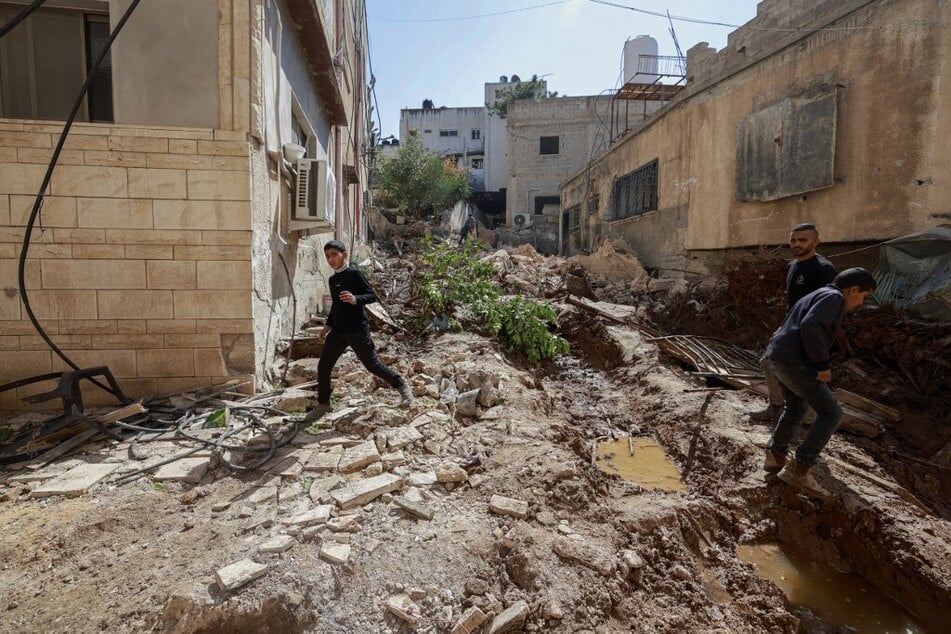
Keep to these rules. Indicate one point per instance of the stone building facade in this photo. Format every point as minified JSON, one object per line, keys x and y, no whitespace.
{"x":821,"y":120}
{"x":167,"y":246}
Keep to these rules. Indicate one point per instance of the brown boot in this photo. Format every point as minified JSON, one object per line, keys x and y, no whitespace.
{"x":774,"y":462}
{"x":798,"y":475}
{"x":768,"y":415}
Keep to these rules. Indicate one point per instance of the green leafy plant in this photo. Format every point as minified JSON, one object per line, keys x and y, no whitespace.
{"x":6,"y":433}
{"x":156,"y":486}
{"x":218,"y":418}
{"x":418,"y":182}
{"x":533,"y":89}
{"x":454,"y":279}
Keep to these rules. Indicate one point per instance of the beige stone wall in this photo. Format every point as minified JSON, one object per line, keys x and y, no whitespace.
{"x":142,"y":261}
{"x":889,"y":139}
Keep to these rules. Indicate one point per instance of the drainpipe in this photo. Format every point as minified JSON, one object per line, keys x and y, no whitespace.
{"x":338,"y":146}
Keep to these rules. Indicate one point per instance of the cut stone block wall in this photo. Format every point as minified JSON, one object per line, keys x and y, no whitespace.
{"x":141,"y":259}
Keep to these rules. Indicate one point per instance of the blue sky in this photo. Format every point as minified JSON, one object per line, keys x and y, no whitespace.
{"x":577,"y":44}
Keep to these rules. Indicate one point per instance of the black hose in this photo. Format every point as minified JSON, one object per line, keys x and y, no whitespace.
{"x":24,"y":14}
{"x":38,"y":204}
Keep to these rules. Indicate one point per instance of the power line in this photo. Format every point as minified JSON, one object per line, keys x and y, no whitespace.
{"x":473,"y":17}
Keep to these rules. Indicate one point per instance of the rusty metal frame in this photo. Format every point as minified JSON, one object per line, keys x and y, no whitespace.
{"x":712,"y":356}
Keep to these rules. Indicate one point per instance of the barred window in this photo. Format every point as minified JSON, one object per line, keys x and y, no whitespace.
{"x":635,"y":193}
{"x":594,"y":203}
{"x":574,"y":218}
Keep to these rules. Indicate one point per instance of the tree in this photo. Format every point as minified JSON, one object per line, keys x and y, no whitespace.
{"x":533,"y":89}
{"x":420,"y":183}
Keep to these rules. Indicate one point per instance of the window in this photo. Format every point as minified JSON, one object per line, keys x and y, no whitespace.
{"x":574,"y":218}
{"x":636,"y":193}
{"x":449,"y":133}
{"x":299,"y":133}
{"x":548,"y":145}
{"x":541,"y":201}
{"x":476,"y":134}
{"x":427,"y":131}
{"x":594,"y":203}
{"x":476,"y":164}
{"x":46,"y":59}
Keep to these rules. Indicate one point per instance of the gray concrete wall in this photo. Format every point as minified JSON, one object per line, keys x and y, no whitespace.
{"x":463,"y":120}
{"x":165,"y":63}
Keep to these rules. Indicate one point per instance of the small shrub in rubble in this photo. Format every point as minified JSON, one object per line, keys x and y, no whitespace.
{"x":453,"y":279}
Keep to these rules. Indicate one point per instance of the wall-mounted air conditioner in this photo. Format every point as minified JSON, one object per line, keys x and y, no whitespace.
{"x":522,"y":221}
{"x":313,"y":206}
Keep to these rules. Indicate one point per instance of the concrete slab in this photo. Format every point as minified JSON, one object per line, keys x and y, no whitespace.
{"x":75,"y":481}
{"x":239,"y":573}
{"x":360,"y":492}
{"x":190,"y":470}
{"x":335,"y":552}
{"x":357,"y":457}
{"x":399,"y":437}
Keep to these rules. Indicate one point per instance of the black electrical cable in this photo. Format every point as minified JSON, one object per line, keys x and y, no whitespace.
{"x":38,"y":204}
{"x":24,"y":14}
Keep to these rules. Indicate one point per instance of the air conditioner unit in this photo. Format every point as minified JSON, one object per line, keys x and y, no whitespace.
{"x":314,"y":195}
{"x":522,"y":221}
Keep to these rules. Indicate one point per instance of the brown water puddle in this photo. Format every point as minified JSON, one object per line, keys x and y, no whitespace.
{"x":838,"y":598}
{"x":647,"y":466}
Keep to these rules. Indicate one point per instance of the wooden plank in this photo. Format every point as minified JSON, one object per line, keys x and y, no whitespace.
{"x":874,"y":408}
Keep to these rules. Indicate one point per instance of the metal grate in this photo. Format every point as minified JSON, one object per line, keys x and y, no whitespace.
{"x":636,"y":193}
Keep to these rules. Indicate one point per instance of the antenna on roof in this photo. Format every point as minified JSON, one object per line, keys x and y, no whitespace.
{"x":680,"y":53}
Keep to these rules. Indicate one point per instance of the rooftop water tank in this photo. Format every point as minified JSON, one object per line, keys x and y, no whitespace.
{"x":634,"y":70}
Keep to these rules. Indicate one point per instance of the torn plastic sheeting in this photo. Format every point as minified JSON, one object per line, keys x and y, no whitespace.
{"x":915,"y":273}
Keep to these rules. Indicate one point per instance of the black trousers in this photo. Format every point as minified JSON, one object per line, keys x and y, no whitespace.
{"x":336,"y":344}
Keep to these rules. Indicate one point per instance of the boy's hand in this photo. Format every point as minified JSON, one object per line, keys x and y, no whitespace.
{"x":347,"y":297}
{"x":325,"y":332}
{"x":825,"y":376}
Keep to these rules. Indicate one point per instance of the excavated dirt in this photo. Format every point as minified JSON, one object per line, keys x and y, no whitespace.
{"x":594,"y":553}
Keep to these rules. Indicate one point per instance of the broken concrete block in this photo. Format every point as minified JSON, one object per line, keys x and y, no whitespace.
{"x":262,"y":494}
{"x":632,"y":560}
{"x":508,"y":506}
{"x":296,"y":401}
{"x":239,"y":573}
{"x":320,"y":488}
{"x":423,"y":479}
{"x":334,"y":552}
{"x":469,"y":622}
{"x":399,"y":437}
{"x":413,"y":507}
{"x":585,"y":554}
{"x":323,"y":460}
{"x":467,"y":403}
{"x":513,"y":618}
{"x":403,"y":607}
{"x":355,"y":458}
{"x":342,"y":416}
{"x":374,"y":469}
{"x":75,"y":481}
{"x":344,"y":524}
{"x":360,"y":492}
{"x":317,"y":515}
{"x":277,"y":544}
{"x":451,"y":473}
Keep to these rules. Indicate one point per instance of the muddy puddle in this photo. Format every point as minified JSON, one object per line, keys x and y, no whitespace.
{"x":639,"y":460}
{"x":840,"y":599}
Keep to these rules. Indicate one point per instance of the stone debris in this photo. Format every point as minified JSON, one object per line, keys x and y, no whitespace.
{"x":467,"y":403}
{"x":357,"y":457}
{"x":295,"y":400}
{"x":508,"y":506}
{"x":424,"y":479}
{"x":403,"y":607}
{"x":324,"y":460}
{"x":469,"y":622}
{"x":510,"y":620}
{"x":360,"y":492}
{"x":320,"y":488}
{"x":277,"y":544}
{"x":400,"y":437}
{"x":317,"y":515}
{"x":239,"y":573}
{"x":75,"y":481}
{"x":334,"y":552}
{"x":451,"y":473}
{"x":392,"y":459}
{"x":585,"y":554}
{"x":413,"y":507}
{"x":341,"y":416}
{"x":632,"y":560}
{"x":344,"y":524}
{"x":262,"y":494}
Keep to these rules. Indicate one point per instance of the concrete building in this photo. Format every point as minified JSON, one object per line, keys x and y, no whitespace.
{"x":822,"y":120}
{"x":170,"y":246}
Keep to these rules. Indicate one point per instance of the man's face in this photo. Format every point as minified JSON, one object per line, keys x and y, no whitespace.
{"x":335,"y":258}
{"x":803,"y":243}
{"x":854,"y":297}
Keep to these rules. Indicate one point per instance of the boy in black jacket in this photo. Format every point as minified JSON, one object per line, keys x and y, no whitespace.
{"x":799,"y":355}
{"x":347,"y":326}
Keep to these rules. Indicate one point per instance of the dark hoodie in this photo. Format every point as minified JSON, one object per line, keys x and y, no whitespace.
{"x":349,"y":317}
{"x":806,"y":337}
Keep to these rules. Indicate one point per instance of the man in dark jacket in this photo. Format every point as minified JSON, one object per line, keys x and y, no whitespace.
{"x":799,"y":355}
{"x":347,"y":326}
{"x":807,"y":272}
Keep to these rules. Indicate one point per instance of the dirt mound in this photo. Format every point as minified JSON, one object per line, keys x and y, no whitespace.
{"x":589,"y":340}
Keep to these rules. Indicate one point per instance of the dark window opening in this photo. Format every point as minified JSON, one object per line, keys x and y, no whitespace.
{"x":476,"y":134}
{"x":100,"y":88}
{"x":541,"y":201}
{"x":636,"y":193}
{"x":449,"y":133}
{"x":594,"y":203}
{"x":574,"y":218}
{"x":548,"y":145}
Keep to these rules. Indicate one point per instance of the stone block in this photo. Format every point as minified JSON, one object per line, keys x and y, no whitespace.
{"x":185,"y":161}
{"x":399,"y":437}
{"x":115,"y":159}
{"x":413,"y":507}
{"x":189,"y":470}
{"x":317,"y":515}
{"x":76,"y":141}
{"x":12,"y":138}
{"x":57,"y":211}
{"x":588,"y":555}
{"x":133,"y":327}
{"x":79,"y":236}
{"x":451,"y":473}
{"x":121,"y":363}
{"x":508,"y":506}
{"x":99,"y":182}
{"x":226,"y":238}
{"x":215,"y":185}
{"x":422,"y":479}
{"x":165,"y":363}
{"x":320,"y":488}
{"x":213,"y":252}
{"x":127,"y":339}
{"x":171,"y":274}
{"x":152,"y":236}
{"x":88,"y":327}
{"x":192,"y":340}
{"x":224,"y":275}
{"x":224,"y":326}
{"x":470,"y":621}
{"x":359,"y":492}
{"x":99,"y":251}
{"x":202,"y":214}
{"x":75,"y":481}
{"x":209,"y":362}
{"x":93,"y":274}
{"x":511,"y":619}
{"x":138,"y":144}
{"x":151,"y":252}
{"x":357,"y":457}
{"x":43,"y":156}
{"x":239,"y":573}
{"x":170,"y":326}
{"x":65,"y":304}
{"x":335,"y":553}
{"x":212,"y":304}
{"x":157,"y":183}
{"x":114,"y":213}
{"x":181,"y":146}
{"x":323,"y":459}
{"x":277,"y":544}
{"x":135,"y":304}
{"x":404,"y":608}
{"x":224,"y":148}
{"x":20,"y":178}
{"x":393,"y":459}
